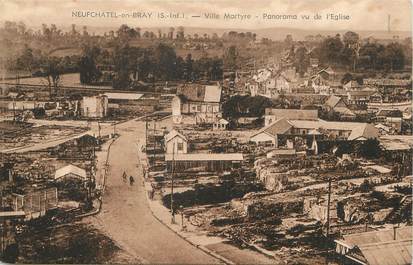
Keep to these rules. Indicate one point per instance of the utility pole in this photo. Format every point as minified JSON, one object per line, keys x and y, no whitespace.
{"x":154,"y":140}
{"x":172,"y":184}
{"x":98,"y":130}
{"x":328,"y":207}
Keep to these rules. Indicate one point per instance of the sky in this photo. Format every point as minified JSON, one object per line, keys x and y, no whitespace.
{"x":364,"y":14}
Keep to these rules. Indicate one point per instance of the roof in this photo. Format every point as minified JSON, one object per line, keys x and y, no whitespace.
{"x":397,"y":142}
{"x":223,"y":121}
{"x":361,"y":93}
{"x":296,"y":114}
{"x":389,"y":113}
{"x":327,"y":70}
{"x":344,"y":111}
{"x":359,"y":239}
{"x":387,"y":82}
{"x":357,"y":129}
{"x":332,"y":101}
{"x":388,"y":253}
{"x":204,"y":157}
{"x":380,"y":169}
{"x":172,"y":134}
{"x":124,"y":96}
{"x":283,"y":152}
{"x":364,"y":131}
{"x":352,"y":83}
{"x":279,"y":126}
{"x":197,"y":92}
{"x":380,"y":247}
{"x":212,"y":94}
{"x":12,"y":213}
{"x":70,"y":169}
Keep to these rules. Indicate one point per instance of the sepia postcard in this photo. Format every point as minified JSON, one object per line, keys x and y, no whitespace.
{"x":206,"y":132}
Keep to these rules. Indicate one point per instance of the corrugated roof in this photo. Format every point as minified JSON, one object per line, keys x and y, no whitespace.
{"x":388,"y":253}
{"x":70,"y":169}
{"x":205,"y":157}
{"x":360,"y":239}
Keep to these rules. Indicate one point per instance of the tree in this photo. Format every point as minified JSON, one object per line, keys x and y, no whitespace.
{"x":180,"y":34}
{"x":230,"y":58}
{"x":288,"y":40}
{"x":239,"y":106}
{"x":330,"y":50}
{"x":346,"y":78}
{"x":351,"y":38}
{"x":370,"y":53}
{"x":188,"y":73}
{"x":52,"y":71}
{"x":369,"y":149}
{"x":171,"y":33}
{"x":87,"y":65}
{"x":301,"y":60}
{"x":394,"y":56}
{"x":165,"y":58}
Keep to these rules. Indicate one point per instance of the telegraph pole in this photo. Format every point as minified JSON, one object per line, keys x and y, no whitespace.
{"x":328,"y":207}
{"x":172,"y":184}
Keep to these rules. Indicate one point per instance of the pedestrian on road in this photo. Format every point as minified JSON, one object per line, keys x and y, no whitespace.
{"x":124,"y":176}
{"x":131,"y":180}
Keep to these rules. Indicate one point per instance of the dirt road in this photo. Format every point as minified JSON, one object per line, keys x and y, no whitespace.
{"x":126,"y":217}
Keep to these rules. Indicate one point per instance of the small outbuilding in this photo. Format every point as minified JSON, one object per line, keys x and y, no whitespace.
{"x":70,"y":171}
{"x":176,"y":143}
{"x":221,"y":124}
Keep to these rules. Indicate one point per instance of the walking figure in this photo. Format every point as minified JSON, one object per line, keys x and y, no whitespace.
{"x":124,"y":176}
{"x":131,"y":180}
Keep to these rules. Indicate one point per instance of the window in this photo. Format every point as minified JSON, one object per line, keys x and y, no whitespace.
{"x":180,"y":146}
{"x":198,"y":107}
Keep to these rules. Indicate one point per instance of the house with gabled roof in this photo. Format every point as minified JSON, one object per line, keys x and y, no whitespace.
{"x":272,"y":114}
{"x":201,"y":104}
{"x":176,"y":143}
{"x":336,"y":104}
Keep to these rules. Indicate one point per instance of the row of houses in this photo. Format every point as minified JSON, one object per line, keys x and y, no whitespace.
{"x":350,"y":131}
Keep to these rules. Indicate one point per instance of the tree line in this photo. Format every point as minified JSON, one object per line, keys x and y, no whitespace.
{"x":131,"y":64}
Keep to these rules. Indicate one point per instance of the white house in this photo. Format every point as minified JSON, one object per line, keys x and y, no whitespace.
{"x":176,"y":143}
{"x":221,"y":124}
{"x":95,"y":106}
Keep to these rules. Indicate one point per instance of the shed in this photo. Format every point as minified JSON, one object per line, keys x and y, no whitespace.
{"x":221,"y":124}
{"x":176,"y":142}
{"x":70,"y":171}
